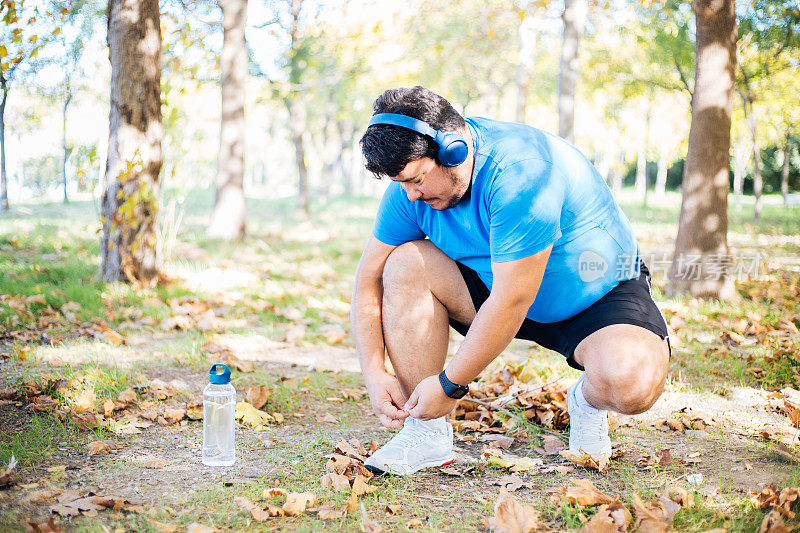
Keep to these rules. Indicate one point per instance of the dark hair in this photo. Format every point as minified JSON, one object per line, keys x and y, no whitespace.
{"x":387,"y":148}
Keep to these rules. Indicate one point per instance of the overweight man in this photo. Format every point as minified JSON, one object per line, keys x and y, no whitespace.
{"x":500,"y":231}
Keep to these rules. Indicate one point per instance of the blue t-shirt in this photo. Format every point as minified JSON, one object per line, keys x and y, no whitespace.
{"x":530,"y":189}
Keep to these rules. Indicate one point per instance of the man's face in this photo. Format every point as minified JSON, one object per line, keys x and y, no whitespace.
{"x":438,"y":186}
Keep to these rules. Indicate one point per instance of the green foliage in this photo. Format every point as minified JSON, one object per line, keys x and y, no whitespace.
{"x":42,"y":173}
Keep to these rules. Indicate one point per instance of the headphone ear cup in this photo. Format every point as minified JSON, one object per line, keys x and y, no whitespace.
{"x":452,"y":150}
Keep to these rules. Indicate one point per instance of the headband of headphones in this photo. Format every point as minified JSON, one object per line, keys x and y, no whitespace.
{"x":452,"y":146}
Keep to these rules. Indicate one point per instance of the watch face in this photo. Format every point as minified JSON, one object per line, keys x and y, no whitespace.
{"x":459,"y":393}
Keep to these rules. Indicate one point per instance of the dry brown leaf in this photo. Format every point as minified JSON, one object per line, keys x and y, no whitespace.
{"x":773,"y":523}
{"x":360,"y":486}
{"x":327,"y":513}
{"x":327,"y":417}
{"x":584,"y":493}
{"x":511,"y":516}
{"x":335,"y":482}
{"x":586,"y":460}
{"x":48,"y":527}
{"x":297,"y":502}
{"x":510,"y":483}
{"x":497,"y":441}
{"x":781,"y":502}
{"x":156,"y":462}
{"x":353,"y":394}
{"x":6,"y":477}
{"x":414,"y":522}
{"x":258,"y":514}
{"x":257,"y":395}
{"x":96,"y":447}
{"x":367,"y":524}
{"x":194,"y":410}
{"x":610,"y":518}
{"x":334,"y":333}
{"x":160,"y":389}
{"x":655,"y":516}
{"x":553,"y":445}
{"x":391,"y":509}
{"x":272,"y":492}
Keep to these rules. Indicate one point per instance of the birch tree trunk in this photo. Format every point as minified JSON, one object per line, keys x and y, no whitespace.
{"x":64,"y":146}
{"x":661,"y":176}
{"x":700,"y":265}
{"x":787,"y":153}
{"x":3,"y":175}
{"x":574,"y":17}
{"x":130,"y":189}
{"x":228,"y":218}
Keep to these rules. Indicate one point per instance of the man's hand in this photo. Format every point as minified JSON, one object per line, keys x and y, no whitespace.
{"x":429,"y":400}
{"x":387,"y":398}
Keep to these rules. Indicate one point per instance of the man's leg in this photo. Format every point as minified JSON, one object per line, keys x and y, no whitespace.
{"x":421,"y":288}
{"x":626,"y":366}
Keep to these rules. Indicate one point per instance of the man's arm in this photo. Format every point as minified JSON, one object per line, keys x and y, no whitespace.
{"x":365,"y":318}
{"x":514,"y":289}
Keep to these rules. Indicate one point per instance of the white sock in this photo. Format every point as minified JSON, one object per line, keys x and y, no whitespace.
{"x":580,"y":399}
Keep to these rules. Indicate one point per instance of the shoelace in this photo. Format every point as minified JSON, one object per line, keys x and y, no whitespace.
{"x":409,"y":437}
{"x":593,"y":425}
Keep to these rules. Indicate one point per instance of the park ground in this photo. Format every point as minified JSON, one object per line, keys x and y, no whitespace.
{"x":99,"y":384}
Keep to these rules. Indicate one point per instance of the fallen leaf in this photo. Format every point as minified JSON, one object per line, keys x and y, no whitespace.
{"x":553,"y":445}
{"x":297,"y":502}
{"x":327,"y":417}
{"x":510,"y":483}
{"x":391,"y":509}
{"x":258,"y":514}
{"x":327,"y":513}
{"x":609,"y":518}
{"x":6,"y":477}
{"x":773,"y":523}
{"x":156,"y":462}
{"x":194,"y":410}
{"x":171,"y":416}
{"x":655,"y":516}
{"x":295,"y":333}
{"x":360,"y":486}
{"x":96,"y":447}
{"x":353,"y":394}
{"x":272,"y":492}
{"x":584,"y":493}
{"x":335,"y":482}
{"x":252,"y":417}
{"x":367,"y":524}
{"x":414,"y":522}
{"x":510,"y":515}
{"x":257,"y":395}
{"x":48,"y":527}
{"x":497,"y":441}
{"x":586,"y":460}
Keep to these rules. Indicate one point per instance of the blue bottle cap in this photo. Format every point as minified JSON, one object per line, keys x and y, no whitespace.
{"x":219,"y":374}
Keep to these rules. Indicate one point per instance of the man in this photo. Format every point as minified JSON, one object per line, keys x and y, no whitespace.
{"x":499,"y":230}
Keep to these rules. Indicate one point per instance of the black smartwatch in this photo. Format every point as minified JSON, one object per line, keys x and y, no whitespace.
{"x":451,"y":389}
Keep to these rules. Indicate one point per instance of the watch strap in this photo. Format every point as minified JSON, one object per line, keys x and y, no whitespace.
{"x":452,"y":390}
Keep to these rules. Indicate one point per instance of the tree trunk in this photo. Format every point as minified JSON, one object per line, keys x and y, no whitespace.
{"x":64,"y":146}
{"x":130,"y":191}
{"x":297,"y":124}
{"x":3,"y":175}
{"x":228,"y":218}
{"x":661,"y":176}
{"x":641,"y":175}
{"x":758,"y":183}
{"x":740,"y":158}
{"x":574,"y":17}
{"x":787,"y":152}
{"x":700,"y":265}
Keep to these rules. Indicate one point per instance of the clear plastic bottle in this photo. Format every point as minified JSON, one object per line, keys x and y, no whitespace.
{"x":219,"y":405}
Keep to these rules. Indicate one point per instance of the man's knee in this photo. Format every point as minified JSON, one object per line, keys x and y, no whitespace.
{"x":404,"y":267}
{"x":637,"y":381}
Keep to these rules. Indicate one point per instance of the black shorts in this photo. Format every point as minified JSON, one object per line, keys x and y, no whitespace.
{"x":630,"y":302}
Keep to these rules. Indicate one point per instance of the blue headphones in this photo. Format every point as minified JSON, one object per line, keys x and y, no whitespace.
{"x":452,"y":146}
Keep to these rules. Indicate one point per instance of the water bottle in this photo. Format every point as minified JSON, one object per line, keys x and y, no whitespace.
{"x":219,"y":406}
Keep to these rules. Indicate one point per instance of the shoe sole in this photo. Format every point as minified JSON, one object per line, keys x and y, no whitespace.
{"x":377,"y":471}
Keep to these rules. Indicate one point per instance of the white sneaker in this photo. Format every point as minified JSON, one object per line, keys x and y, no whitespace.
{"x":588,"y":427}
{"x":420,"y":444}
